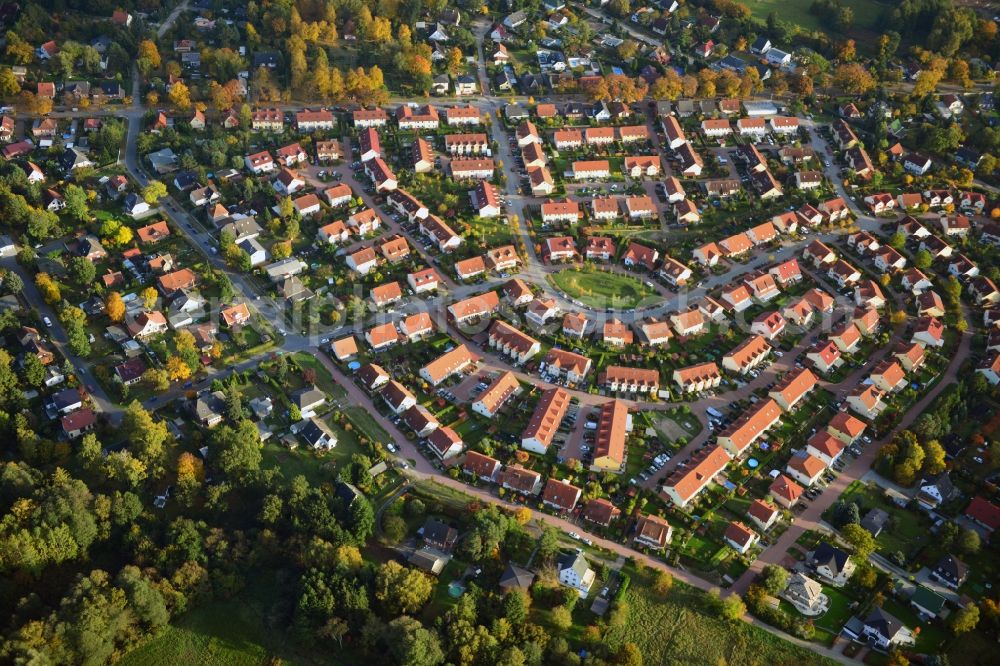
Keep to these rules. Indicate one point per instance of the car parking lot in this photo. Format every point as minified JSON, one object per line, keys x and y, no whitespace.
{"x":573,"y":433}
{"x":469,"y":388}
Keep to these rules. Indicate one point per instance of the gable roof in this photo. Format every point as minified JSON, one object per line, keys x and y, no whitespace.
{"x":830,"y":556}
{"x":561,"y":494}
{"x":785,"y":488}
{"x":548,"y":414}
{"x":601,"y":511}
{"x":984,"y":512}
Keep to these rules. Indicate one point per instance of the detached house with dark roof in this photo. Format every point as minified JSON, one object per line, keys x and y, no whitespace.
{"x":950,"y":571}
{"x":832,"y":564}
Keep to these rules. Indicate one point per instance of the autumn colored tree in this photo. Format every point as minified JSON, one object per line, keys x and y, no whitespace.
{"x":847,"y":51}
{"x":727,"y":84}
{"x":668,"y":87}
{"x":222,"y":97}
{"x":32,"y":103}
{"x":149,"y":57}
{"x":19,"y":50}
{"x":750,"y":82}
{"x":690,"y":85}
{"x":595,"y":89}
{"x":455,"y":59}
{"x":9,"y":86}
{"x":626,"y":89}
{"x":927,"y":81}
{"x":380,"y":31}
{"x":801,"y":84}
{"x":177,"y":369}
{"x":663,"y":583}
{"x":49,"y":288}
{"x":148,"y":296}
{"x":180,"y":96}
{"x":190,"y":468}
{"x":958,"y":71}
{"x":853,"y":79}
{"x":153,"y":192}
{"x":628,"y":50}
{"x":114,"y":306}
{"x":157,"y":378}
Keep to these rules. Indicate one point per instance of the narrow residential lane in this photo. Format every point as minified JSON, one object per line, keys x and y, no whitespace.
{"x":811,"y":517}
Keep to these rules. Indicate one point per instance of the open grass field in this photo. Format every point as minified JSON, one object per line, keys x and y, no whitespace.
{"x":367,"y":424}
{"x":681,"y":629}
{"x":598,"y":289}
{"x":324,"y":379}
{"x":235,"y":632}
{"x":797,"y":11}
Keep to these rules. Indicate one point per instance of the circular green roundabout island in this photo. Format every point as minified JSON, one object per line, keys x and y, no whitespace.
{"x":600,"y":290}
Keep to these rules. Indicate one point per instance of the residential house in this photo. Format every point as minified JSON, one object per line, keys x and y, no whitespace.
{"x":697,"y":378}
{"x":652,"y":532}
{"x":575,"y":572}
{"x":397,"y":397}
{"x":445,"y":443}
{"x":832,"y":564}
{"x":785,"y":491}
{"x":950,"y":571}
{"x":685,"y":483}
{"x":560,"y":495}
{"x":866,"y":401}
{"x":545,"y":420}
{"x":481,"y":467}
{"x":763,"y":514}
{"x":739,"y":537}
{"x":497,"y":395}
{"x":382,"y":336}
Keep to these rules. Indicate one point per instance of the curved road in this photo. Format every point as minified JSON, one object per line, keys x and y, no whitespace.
{"x":534,"y":272}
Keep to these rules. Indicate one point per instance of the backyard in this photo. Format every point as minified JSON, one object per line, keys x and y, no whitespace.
{"x":599,"y":289}
{"x":324,"y":380}
{"x":907,"y":530}
{"x":681,"y":628}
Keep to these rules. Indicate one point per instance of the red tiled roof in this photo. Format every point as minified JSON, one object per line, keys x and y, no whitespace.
{"x":984,"y":512}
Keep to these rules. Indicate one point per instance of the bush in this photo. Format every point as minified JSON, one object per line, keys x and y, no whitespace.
{"x":561,"y":617}
{"x":623,"y":587}
{"x":394,"y":529}
{"x":415,"y":508}
{"x":662,"y":583}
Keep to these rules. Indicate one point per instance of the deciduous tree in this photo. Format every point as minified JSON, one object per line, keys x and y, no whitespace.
{"x":149,"y":296}
{"x":153,"y":192}
{"x":853,"y":79}
{"x":860,"y":539}
{"x":401,"y":590}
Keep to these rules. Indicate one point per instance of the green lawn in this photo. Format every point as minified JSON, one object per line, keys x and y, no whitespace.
{"x":681,"y":629}
{"x":975,"y":649}
{"x":701,"y":548}
{"x":598,"y":289}
{"x":908,"y":528}
{"x":366,"y":423}
{"x":324,"y":379}
{"x":839,"y":612}
{"x":302,"y":461}
{"x":866,"y":14}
